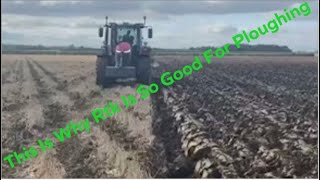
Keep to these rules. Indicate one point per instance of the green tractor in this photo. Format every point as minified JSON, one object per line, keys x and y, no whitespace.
{"x":123,"y":54}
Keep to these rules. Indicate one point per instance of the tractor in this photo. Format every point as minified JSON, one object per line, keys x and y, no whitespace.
{"x":123,"y":54}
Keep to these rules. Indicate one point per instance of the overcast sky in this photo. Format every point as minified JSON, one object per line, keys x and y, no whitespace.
{"x":176,"y":24}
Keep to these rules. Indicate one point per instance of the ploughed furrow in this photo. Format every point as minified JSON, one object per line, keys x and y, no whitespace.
{"x":64,"y":92}
{"x":53,"y":111}
{"x":14,"y":89}
{"x":238,"y":146}
{"x":110,"y":149}
{"x":68,"y":74}
{"x":52,"y":84}
{"x":60,"y":85}
{"x":264,"y":133}
{"x":211,"y":160}
{"x":276,"y":96}
{"x":6,"y":75}
{"x":48,"y":73}
{"x":128,"y":132}
{"x":78,"y":80}
{"x":191,"y":152}
{"x":15,"y":135}
{"x":272,"y":112}
{"x":277,"y":83}
{"x":288,"y":75}
{"x":118,"y":131}
{"x":10,"y":102}
{"x":168,"y":160}
{"x":277,"y":128}
{"x":57,"y":115}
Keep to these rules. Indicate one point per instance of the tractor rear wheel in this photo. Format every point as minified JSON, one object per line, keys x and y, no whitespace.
{"x":101,"y":80}
{"x":144,"y":74}
{"x":99,"y":70}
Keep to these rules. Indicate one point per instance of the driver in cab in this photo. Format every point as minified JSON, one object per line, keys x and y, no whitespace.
{"x":128,"y":38}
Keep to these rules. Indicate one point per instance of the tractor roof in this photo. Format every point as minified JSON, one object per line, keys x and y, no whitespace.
{"x":126,"y":24}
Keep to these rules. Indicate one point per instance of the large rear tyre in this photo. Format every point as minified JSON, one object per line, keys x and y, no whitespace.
{"x":100,"y":70}
{"x":144,"y":74}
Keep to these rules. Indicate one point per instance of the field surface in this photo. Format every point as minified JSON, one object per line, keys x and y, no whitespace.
{"x":237,"y":117}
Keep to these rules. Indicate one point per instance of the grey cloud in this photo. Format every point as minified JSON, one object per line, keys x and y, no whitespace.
{"x":160,"y":8}
{"x":12,"y":37}
{"x":226,"y":7}
{"x":22,"y":21}
{"x":226,"y":30}
{"x":97,"y":8}
{"x":55,"y":2}
{"x":64,"y":23}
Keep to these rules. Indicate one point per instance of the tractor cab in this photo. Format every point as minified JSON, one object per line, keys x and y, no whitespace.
{"x":127,"y":33}
{"x":116,"y":33}
{"x":123,"y":54}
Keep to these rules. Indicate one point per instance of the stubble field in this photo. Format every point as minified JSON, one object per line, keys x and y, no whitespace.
{"x":237,"y":117}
